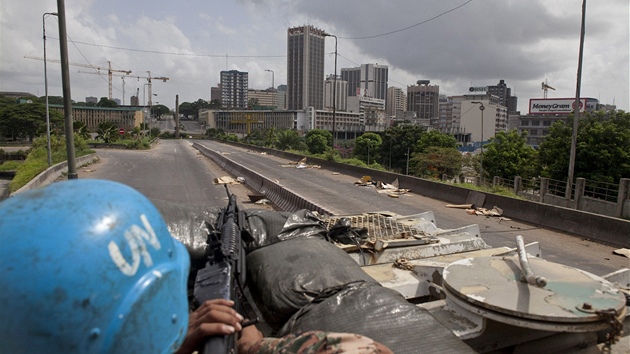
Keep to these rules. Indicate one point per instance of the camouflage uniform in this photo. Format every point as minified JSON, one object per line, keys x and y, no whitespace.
{"x":321,"y":343}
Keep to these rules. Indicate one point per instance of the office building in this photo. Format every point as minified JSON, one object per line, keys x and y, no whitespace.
{"x":504,"y":94}
{"x":305,"y":68}
{"x":423,"y":99}
{"x":368,"y":80}
{"x":340,"y":94}
{"x":215,"y":93}
{"x":396,"y":101}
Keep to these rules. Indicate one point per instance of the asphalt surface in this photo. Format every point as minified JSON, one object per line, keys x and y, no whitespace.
{"x":175,"y":174}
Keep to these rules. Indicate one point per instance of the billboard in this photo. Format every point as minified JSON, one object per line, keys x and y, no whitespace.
{"x":554,"y":105}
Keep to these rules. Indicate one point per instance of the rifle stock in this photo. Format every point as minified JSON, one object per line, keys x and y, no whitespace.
{"x":224,"y":273}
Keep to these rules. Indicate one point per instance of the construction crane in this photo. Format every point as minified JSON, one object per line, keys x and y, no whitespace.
{"x":97,"y":68}
{"x":545,"y":87}
{"x":149,"y":79}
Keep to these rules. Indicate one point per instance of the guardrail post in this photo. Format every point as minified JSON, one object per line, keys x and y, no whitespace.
{"x":478,"y":181}
{"x":579,"y":192}
{"x":544,"y":187}
{"x":517,"y":184}
{"x":496,"y":181}
{"x":622,"y":195}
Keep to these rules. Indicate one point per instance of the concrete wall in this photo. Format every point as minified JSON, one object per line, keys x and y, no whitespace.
{"x":53,"y":172}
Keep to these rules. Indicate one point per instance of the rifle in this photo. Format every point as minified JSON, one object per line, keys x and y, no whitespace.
{"x":224,"y":273}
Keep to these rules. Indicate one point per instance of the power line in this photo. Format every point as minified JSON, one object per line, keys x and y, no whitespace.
{"x":177,"y":53}
{"x":412,"y":26}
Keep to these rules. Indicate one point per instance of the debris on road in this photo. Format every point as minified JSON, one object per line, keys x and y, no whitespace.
{"x":226,"y":180}
{"x":622,"y":252}
{"x":460,"y":206}
{"x":301,"y":164}
{"x":470,"y":209}
{"x":392,"y":189}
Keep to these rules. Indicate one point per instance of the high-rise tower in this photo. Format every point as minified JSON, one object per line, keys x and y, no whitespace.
{"x":305,"y":68}
{"x":233,"y":89}
{"x":367,"y":80}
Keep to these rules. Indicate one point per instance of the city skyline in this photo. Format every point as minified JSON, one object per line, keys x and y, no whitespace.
{"x":455,"y":44}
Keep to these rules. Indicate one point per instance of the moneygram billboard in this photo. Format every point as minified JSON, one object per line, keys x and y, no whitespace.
{"x":554,"y":105}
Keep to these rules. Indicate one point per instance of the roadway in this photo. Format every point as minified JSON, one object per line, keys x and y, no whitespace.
{"x":175,"y":174}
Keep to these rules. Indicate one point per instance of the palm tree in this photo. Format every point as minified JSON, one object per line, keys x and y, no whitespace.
{"x":289,"y":139}
{"x":107,"y":132}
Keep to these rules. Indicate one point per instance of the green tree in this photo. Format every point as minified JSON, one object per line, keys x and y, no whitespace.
{"x":187,"y":109}
{"x":436,"y":161}
{"x":397,"y":142}
{"x":159,"y":110}
{"x":367,"y":147}
{"x":106,"y":102}
{"x":602,"y":149}
{"x":507,"y":155}
{"x":107,"y":131}
{"x":215,"y":104}
{"x":25,"y":120}
{"x":81,"y":129}
{"x":289,"y":139}
{"x":215,"y":133}
{"x":437,"y":139}
{"x":318,"y":140}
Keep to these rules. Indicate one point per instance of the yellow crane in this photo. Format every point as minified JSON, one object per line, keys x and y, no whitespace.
{"x":149,"y":79}
{"x":545,"y":87}
{"x":109,"y":69}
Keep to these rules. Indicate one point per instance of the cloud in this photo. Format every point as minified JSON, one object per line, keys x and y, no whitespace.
{"x":454,"y":43}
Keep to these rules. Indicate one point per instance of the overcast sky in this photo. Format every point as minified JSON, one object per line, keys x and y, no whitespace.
{"x":454,"y":43}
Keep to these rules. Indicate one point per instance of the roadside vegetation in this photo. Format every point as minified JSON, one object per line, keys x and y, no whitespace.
{"x":37,"y":160}
{"x":602,"y":152}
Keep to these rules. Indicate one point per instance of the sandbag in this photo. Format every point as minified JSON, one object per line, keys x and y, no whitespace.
{"x":269,"y":227}
{"x":379,"y":313}
{"x":286,"y":276}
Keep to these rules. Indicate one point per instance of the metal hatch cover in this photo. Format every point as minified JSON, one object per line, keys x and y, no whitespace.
{"x":571,"y":296}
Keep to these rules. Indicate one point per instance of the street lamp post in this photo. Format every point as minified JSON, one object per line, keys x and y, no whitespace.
{"x":481,"y":108}
{"x":368,"y":148}
{"x":273,"y":87}
{"x":46,"y":88}
{"x":334,"y":92}
{"x":407,"y":173}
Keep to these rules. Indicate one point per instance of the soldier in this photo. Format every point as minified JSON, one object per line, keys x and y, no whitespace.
{"x":89,"y":266}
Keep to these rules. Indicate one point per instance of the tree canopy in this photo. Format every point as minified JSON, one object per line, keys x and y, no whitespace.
{"x":397,"y":141}
{"x":106,"y":102}
{"x":25,"y":120}
{"x":318,"y":140}
{"x":602,"y":151}
{"x":435,"y":138}
{"x":507,"y":155}
{"x":367,"y":147}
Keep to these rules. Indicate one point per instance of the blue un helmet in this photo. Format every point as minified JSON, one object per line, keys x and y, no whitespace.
{"x":88,"y":266}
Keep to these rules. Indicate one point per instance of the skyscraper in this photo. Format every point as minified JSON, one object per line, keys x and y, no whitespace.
{"x":505,"y":96}
{"x":233,"y":89}
{"x":305,"y":68}
{"x":367,"y":80}
{"x":423,"y":99}
{"x":396,"y":101}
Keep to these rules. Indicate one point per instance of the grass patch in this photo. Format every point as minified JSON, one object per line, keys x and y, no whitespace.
{"x":10,"y":165}
{"x":37,"y":160}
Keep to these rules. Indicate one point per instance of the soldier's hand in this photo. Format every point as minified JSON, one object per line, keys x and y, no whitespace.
{"x":213,"y":317}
